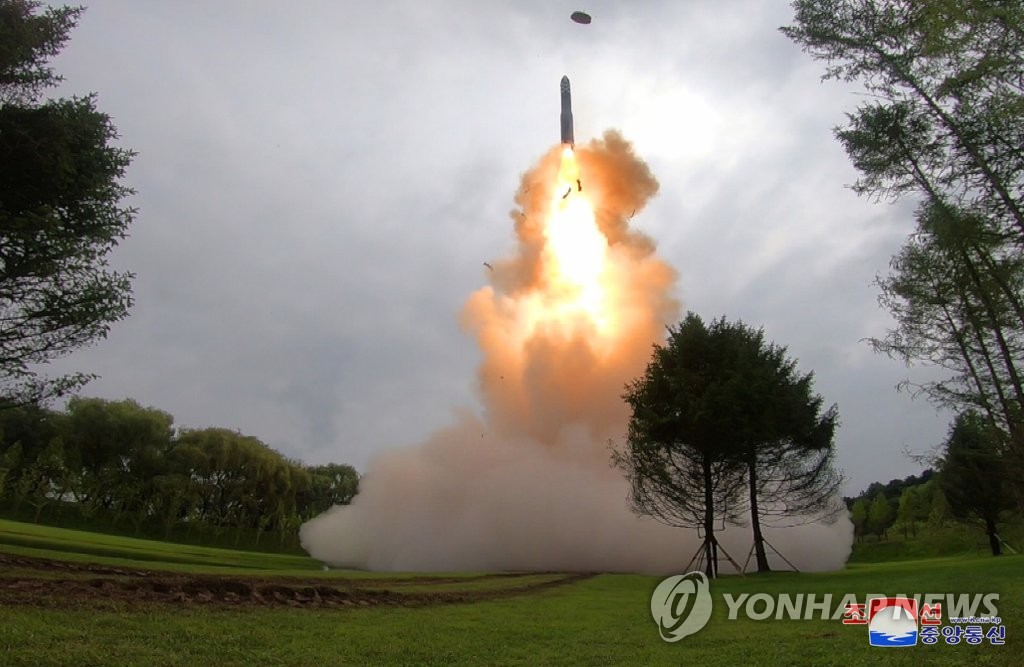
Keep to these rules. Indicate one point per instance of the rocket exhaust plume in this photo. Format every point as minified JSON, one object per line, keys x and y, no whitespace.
{"x":568,"y":319}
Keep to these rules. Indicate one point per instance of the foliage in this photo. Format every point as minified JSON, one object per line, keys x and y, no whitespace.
{"x":859,"y":517}
{"x":945,"y":125}
{"x":118,"y":463}
{"x":719,"y":409}
{"x":939,"y":512}
{"x":880,"y":515}
{"x":955,"y":292}
{"x":682,"y":451}
{"x":913,"y":509}
{"x":61,"y":210}
{"x":972,"y":477}
{"x":892,"y":489}
{"x":945,"y":119}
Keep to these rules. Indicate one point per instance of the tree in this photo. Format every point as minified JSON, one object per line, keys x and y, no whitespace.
{"x":719,"y":408}
{"x":944,"y":77}
{"x":944,"y":125}
{"x":61,"y":210}
{"x":237,"y":480}
{"x":10,"y":460}
{"x":29,"y":430}
{"x":117,"y":450}
{"x":956,"y":298}
{"x":681,"y":455}
{"x":859,"y":517}
{"x":910,"y":510}
{"x":972,"y":476}
{"x":787,"y":441}
{"x":939,"y":511}
{"x":880,"y":515}
{"x":46,"y":479}
{"x":331,"y":484}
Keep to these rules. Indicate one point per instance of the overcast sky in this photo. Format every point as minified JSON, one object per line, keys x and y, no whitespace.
{"x":319,"y":184}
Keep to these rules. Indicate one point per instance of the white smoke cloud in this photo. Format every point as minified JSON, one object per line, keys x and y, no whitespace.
{"x":527,"y":485}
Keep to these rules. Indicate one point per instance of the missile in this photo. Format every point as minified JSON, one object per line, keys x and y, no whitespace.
{"x":566,"y":116}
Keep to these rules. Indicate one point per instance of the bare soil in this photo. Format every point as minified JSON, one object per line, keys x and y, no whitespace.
{"x":104,"y":586}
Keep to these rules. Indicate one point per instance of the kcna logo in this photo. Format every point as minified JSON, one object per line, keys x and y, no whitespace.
{"x":892,"y":621}
{"x":681,"y":605}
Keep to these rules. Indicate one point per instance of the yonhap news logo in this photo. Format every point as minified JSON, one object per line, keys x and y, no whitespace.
{"x":681,"y":605}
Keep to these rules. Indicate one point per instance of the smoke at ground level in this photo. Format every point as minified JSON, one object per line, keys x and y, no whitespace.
{"x":566,"y":321}
{"x":463,"y":502}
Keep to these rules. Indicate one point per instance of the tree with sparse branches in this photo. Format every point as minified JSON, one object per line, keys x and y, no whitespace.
{"x":946,"y":92}
{"x":61,"y":210}
{"x":722,"y":425}
{"x":944,"y":124}
{"x":680,"y":456}
{"x":787,"y":439}
{"x":957,"y":300}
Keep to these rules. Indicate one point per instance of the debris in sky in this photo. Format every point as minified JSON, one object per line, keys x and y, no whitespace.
{"x":582,"y":300}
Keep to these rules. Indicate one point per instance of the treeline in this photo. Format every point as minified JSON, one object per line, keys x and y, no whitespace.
{"x":118,"y":464}
{"x":903,"y":505}
{"x":970,"y":484}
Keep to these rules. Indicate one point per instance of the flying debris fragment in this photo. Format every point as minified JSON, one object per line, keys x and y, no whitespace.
{"x":582,"y":18}
{"x":488,"y":266}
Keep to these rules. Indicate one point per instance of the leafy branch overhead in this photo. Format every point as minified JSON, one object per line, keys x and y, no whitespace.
{"x":945,"y":127}
{"x":62,"y":209}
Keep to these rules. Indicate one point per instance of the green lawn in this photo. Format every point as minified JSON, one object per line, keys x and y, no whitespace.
{"x":953,"y":539}
{"x":39,"y":541}
{"x":602,"y":620}
{"x":44,"y":541}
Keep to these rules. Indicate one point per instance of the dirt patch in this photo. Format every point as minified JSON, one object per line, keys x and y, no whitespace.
{"x":132,"y":587}
{"x":9,"y":561}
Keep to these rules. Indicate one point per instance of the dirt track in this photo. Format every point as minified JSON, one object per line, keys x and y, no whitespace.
{"x":97,"y":585}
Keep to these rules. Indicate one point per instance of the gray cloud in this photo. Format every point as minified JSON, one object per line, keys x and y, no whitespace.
{"x":319,"y":186}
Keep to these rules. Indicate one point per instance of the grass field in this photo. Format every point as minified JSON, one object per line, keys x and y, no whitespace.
{"x":492,"y":619}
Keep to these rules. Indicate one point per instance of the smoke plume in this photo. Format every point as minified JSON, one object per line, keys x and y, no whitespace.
{"x":566,"y":322}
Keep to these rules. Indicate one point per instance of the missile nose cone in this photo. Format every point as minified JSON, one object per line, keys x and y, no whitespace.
{"x":565,"y":84}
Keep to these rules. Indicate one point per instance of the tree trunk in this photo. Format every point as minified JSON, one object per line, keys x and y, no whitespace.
{"x":710,"y":552}
{"x":993,"y":537}
{"x":755,"y":518}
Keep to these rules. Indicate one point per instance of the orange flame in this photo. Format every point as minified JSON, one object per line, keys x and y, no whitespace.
{"x":574,"y":260}
{"x":570,"y":317}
